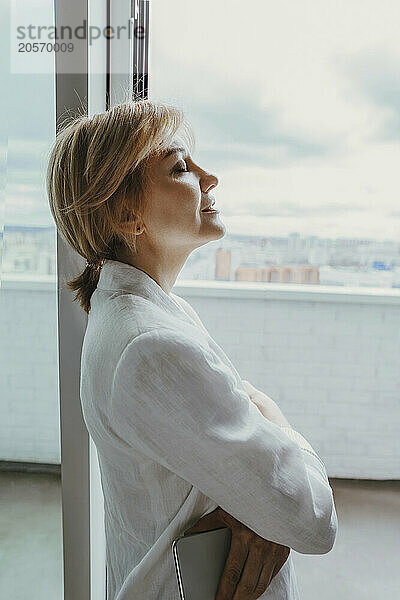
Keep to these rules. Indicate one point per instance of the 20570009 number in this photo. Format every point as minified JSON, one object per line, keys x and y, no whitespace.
{"x":45,"y":47}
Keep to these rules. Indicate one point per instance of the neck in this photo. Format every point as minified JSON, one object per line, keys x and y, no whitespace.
{"x":163,"y":268}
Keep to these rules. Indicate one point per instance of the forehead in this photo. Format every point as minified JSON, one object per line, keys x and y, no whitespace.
{"x":171,"y":150}
{"x":175,"y":146}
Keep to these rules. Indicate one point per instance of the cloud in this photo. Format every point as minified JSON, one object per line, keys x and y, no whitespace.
{"x":354,"y":194}
{"x":232,"y":128}
{"x":26,"y":205}
{"x":375,"y":74}
{"x":287,"y":112}
{"x":352,"y":227}
{"x":28,"y":107}
{"x":245,"y":132}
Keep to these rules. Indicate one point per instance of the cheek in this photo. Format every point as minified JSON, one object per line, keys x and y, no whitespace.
{"x":184,"y":200}
{"x":175,"y":202}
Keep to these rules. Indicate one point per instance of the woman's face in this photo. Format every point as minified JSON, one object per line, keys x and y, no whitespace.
{"x":178,"y":192}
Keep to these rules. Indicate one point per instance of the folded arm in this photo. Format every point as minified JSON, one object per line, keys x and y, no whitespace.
{"x":179,"y":404}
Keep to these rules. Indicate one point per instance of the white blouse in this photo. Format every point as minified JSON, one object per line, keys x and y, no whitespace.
{"x":177,"y":436}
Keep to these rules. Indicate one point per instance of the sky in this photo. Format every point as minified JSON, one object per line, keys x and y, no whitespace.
{"x":295,"y":107}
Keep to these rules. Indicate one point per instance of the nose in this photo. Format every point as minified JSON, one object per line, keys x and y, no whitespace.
{"x":208,"y":181}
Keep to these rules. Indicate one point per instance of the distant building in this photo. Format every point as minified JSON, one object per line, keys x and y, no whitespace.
{"x":278,"y":274}
{"x":223,"y":264}
{"x":248,"y":273}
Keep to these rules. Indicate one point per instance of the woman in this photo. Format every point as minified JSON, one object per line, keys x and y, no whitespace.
{"x":182,"y":441}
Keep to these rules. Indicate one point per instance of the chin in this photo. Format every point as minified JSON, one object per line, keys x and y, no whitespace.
{"x":216,"y":234}
{"x":220,"y":231}
{"x":212,"y":231}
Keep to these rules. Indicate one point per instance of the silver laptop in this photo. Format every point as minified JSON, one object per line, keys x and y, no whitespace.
{"x":199,"y":561}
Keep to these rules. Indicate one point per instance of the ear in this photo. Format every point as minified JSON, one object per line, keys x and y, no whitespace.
{"x":131,"y":223}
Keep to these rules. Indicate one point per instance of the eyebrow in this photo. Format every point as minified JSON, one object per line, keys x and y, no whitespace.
{"x":173,"y":151}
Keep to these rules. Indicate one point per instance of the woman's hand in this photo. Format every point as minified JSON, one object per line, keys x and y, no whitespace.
{"x":252,"y":562}
{"x":267,"y":407}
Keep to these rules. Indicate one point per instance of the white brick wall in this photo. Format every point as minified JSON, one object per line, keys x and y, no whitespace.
{"x":29,"y":407}
{"x":329,"y":358}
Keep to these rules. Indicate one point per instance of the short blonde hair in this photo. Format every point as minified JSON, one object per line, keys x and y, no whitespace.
{"x":97,"y":175}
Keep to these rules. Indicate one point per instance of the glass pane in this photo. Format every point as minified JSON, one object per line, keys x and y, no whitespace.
{"x":295,"y":109}
{"x":30,"y":514}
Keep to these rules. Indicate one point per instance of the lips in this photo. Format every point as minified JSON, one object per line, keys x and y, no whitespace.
{"x":208,"y":207}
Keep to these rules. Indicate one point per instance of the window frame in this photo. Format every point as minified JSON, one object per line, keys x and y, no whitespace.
{"x":107,"y":70}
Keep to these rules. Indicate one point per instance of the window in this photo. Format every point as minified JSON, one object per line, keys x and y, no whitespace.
{"x":29,"y":403}
{"x":295,"y":109}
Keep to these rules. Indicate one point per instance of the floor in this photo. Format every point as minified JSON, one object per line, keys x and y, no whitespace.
{"x":363,"y":564}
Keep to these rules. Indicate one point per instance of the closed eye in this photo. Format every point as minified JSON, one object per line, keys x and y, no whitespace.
{"x":176,"y":168}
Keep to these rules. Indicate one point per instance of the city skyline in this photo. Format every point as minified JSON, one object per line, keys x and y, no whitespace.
{"x":51,"y":226}
{"x":31,"y":252}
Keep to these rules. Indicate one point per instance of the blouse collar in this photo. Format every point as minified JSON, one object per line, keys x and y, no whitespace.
{"x":119,"y":276}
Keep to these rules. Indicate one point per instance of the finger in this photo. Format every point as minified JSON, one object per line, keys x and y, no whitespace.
{"x":264,"y":580}
{"x":232,"y":569}
{"x":281,"y":561}
{"x":266,"y":576}
{"x":249,"y":578}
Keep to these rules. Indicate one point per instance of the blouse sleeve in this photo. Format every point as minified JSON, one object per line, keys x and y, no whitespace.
{"x":180,"y":405}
